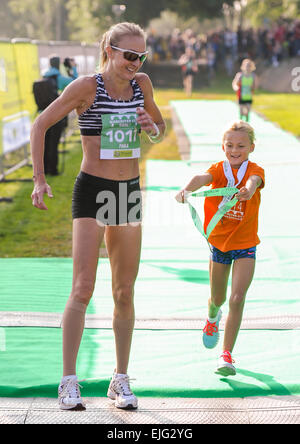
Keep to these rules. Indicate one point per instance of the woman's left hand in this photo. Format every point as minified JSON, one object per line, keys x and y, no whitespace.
{"x":146,"y":121}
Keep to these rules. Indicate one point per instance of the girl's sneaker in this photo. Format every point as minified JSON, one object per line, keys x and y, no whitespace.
{"x":211,"y":332}
{"x":69,"y":394}
{"x":225,"y":365}
{"x":120,"y":392}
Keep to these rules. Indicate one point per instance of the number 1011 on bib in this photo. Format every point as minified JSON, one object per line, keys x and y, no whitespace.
{"x":120,"y":137}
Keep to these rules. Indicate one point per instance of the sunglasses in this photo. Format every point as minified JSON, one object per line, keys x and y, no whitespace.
{"x":131,"y":56}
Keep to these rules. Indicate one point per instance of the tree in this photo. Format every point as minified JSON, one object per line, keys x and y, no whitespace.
{"x":7,"y":21}
{"x":88,"y":19}
{"x":190,"y":8}
{"x":37,"y":19}
{"x":139,"y":11}
{"x":259,"y":12}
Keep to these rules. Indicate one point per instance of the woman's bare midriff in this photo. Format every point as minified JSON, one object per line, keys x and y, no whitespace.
{"x":114,"y":169}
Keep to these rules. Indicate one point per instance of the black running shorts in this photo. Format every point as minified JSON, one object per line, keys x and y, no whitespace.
{"x":110,"y":202}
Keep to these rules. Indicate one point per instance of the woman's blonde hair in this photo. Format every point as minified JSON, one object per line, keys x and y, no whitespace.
{"x":245,"y":62}
{"x":240,"y":125}
{"x":114,"y":35}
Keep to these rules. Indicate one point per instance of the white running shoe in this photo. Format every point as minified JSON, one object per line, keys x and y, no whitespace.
{"x":120,"y":392}
{"x":69,"y":394}
{"x":225,"y":365}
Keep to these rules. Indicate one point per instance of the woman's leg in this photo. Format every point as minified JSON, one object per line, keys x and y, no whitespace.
{"x":87,"y":237}
{"x":242,"y":275}
{"x":219,"y":274}
{"x":124,"y":247}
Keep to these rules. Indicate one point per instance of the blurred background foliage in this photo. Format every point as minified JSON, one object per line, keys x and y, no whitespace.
{"x":86,"y":20}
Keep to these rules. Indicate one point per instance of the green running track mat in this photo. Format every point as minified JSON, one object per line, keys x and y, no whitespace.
{"x":165,"y":364}
{"x":172,"y":283}
{"x":204,"y":123}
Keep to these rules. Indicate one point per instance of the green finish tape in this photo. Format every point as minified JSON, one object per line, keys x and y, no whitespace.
{"x":229,"y":191}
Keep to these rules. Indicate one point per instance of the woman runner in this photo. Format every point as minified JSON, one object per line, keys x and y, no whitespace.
{"x":113,"y":107}
{"x":189,"y":68}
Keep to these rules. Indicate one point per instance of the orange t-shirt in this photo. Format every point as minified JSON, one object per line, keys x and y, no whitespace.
{"x":237,"y":229}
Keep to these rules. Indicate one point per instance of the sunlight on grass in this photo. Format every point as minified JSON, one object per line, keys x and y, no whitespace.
{"x":27,"y":232}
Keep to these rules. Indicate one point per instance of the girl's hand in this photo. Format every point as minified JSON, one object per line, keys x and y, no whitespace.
{"x":244,"y":194}
{"x":182,"y":196}
{"x":146,"y":122}
{"x":37,"y":195}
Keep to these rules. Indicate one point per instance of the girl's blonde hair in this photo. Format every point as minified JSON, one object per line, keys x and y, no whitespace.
{"x":240,"y":125}
{"x":114,"y":35}
{"x":245,"y":62}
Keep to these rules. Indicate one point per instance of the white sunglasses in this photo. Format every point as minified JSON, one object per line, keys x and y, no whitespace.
{"x":130,"y":55}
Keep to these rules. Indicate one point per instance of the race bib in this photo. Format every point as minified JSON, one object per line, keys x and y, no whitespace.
{"x":120,"y":137}
{"x":246,"y":92}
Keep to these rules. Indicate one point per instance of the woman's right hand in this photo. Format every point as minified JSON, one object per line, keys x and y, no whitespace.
{"x":37,"y":195}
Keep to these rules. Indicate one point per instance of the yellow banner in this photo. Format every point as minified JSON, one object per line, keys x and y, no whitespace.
{"x":18,"y":71}
{"x":27,"y":65}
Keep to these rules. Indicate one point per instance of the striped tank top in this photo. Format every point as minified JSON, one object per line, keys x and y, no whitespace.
{"x":114,"y":121}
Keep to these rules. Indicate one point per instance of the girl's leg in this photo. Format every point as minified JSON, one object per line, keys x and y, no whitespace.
{"x":245,"y":111}
{"x":189,"y":82}
{"x":241,"y":112}
{"x":87,"y":237}
{"x":248,"y":113}
{"x":124,"y":247}
{"x":242,"y":275}
{"x":219,"y":274}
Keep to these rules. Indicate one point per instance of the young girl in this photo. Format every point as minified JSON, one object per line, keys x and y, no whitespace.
{"x":233,"y":239}
{"x":245,"y":84}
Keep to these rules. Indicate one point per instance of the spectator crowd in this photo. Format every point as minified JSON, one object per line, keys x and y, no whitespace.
{"x":225,"y":48}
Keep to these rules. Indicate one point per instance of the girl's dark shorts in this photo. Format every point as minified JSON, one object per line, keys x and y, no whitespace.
{"x":245,"y":102}
{"x":232,"y":255}
{"x":110,"y":202}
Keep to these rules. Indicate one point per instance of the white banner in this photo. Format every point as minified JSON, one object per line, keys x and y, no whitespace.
{"x":15,"y":131}
{"x":3,"y":80}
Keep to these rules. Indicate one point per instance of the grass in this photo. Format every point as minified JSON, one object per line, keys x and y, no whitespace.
{"x":27,"y":232}
{"x":284,"y":109}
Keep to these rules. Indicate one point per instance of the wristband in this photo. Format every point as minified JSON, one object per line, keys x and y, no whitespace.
{"x":184,"y":196}
{"x":156,"y":135}
{"x":37,"y":175}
